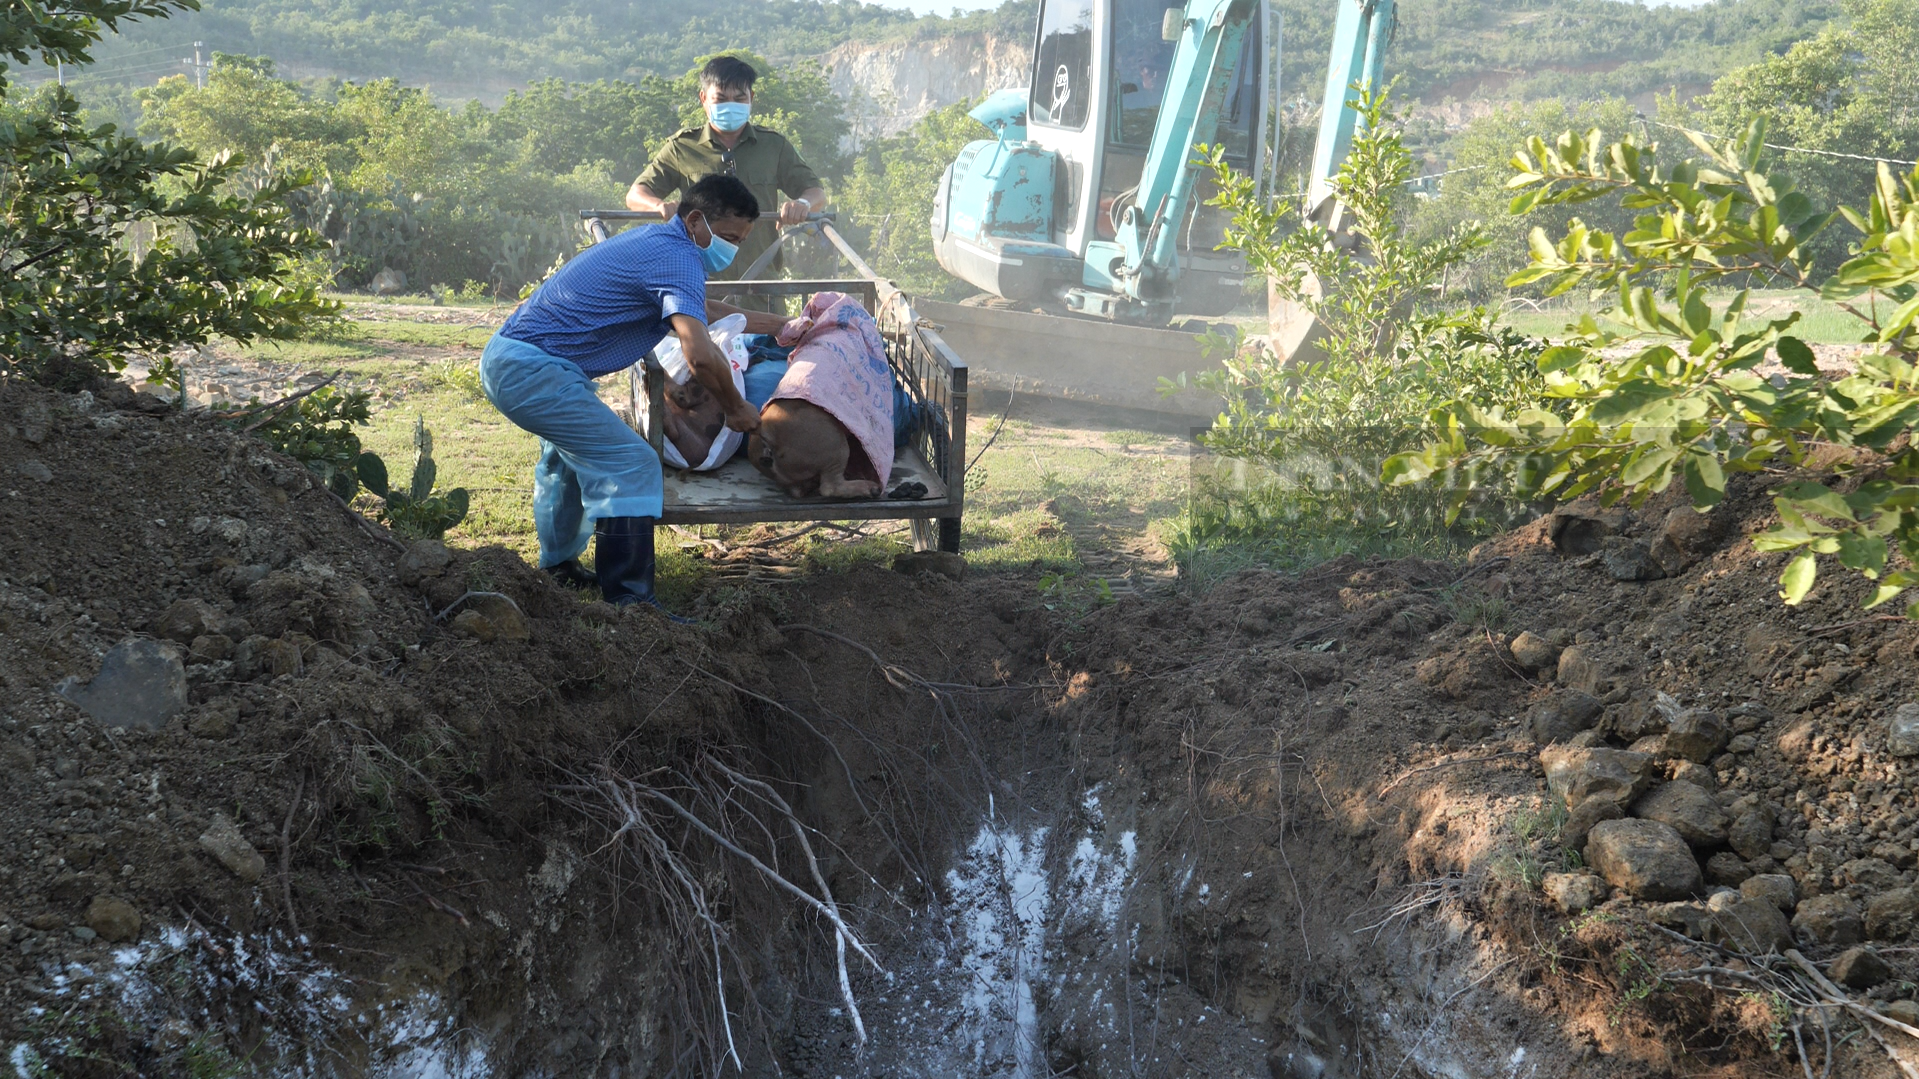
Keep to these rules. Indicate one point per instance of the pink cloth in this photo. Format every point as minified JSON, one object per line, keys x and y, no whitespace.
{"x":839,"y":364}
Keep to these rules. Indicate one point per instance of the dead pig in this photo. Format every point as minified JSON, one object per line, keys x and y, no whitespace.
{"x":807,"y":451}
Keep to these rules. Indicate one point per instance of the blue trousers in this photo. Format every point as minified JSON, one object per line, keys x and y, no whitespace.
{"x":592,"y":465}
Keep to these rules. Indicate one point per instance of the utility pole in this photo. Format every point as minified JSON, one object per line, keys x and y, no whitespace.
{"x":60,"y":72}
{"x":199,"y":69}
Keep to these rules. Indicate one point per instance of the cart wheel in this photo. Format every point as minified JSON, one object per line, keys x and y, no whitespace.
{"x":949,"y":538}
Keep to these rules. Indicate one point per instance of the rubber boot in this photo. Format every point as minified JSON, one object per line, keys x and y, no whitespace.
{"x":570,"y":574}
{"x":623,"y":557}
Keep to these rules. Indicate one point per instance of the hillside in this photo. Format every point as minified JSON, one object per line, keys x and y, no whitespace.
{"x":1444,"y":49}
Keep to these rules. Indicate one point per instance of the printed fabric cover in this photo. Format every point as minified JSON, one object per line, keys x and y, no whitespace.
{"x":839,"y":363}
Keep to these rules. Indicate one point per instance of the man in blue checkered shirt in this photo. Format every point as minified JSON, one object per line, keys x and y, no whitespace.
{"x":600,"y":313}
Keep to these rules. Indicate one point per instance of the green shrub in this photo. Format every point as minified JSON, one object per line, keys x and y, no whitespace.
{"x":1678,"y":395}
{"x":418,"y":511}
{"x":1305,"y":439}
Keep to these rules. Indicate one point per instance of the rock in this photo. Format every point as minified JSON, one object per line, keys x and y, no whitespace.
{"x":1691,"y":919}
{"x":599,"y":613}
{"x":281,"y":656}
{"x":1562,"y":716}
{"x":1694,"y":773}
{"x":1741,"y":744}
{"x":1631,"y":562}
{"x":1750,"y":833}
{"x":186,"y":620}
{"x":387,"y":282}
{"x":210,"y":648}
{"x":423,"y":559}
{"x":1728,"y":869}
{"x":1532,"y":651}
{"x":1691,"y":812}
{"x":1890,"y":915}
{"x":1684,"y":537}
{"x":1574,"y":774}
{"x":1643,"y":858}
{"x":1574,"y":892}
{"x":1776,"y":888}
{"x":1748,"y":925}
{"x":1795,"y":742}
{"x":115,"y":920}
{"x":1902,"y":731}
{"x":1748,"y":717}
{"x":249,"y":656}
{"x":36,"y":471}
{"x":504,"y":615}
{"x":1651,"y":745}
{"x":1905,"y":1011}
{"x":1578,"y":671}
{"x":141,"y":683}
{"x":1829,"y":919}
{"x":1859,"y":968}
{"x":223,"y":840}
{"x":1582,"y":527}
{"x":945,"y":563}
{"x":1876,"y":875}
{"x":36,"y":422}
{"x":473,"y":625}
{"x":216,"y":720}
{"x":1579,"y":823}
{"x":1695,"y":734}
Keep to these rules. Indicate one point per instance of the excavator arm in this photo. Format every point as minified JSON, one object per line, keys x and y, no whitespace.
{"x":1210,"y":34}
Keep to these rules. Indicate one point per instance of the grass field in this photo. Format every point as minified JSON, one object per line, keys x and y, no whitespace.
{"x":1050,"y":494}
{"x":1820,"y":321}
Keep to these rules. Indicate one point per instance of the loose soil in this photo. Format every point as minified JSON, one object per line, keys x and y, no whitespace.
{"x":1295,"y":826}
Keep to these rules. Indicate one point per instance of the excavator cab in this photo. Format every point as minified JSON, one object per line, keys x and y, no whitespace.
{"x":1051,"y":212}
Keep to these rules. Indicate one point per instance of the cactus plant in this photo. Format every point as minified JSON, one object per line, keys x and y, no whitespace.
{"x":416,"y":512}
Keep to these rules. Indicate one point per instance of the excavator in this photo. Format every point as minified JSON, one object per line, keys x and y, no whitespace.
{"x":1083,"y":221}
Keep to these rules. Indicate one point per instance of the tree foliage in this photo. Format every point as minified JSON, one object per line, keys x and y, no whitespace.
{"x":1682,"y":393}
{"x":111,"y":246}
{"x":1321,"y":424}
{"x":452,"y":195}
{"x":1853,"y":89}
{"x":890,"y":198}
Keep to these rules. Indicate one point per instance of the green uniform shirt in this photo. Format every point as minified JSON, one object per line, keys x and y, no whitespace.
{"x":763,"y":160}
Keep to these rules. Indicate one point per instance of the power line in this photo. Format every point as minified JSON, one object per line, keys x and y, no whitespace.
{"x":1788,"y":149}
{"x":92,"y":75}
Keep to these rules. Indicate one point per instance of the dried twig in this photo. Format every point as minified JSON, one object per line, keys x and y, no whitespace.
{"x":464,"y":596}
{"x":286,"y":856}
{"x":279,"y":407}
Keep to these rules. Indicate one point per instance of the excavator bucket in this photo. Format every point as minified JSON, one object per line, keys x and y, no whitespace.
{"x":1097,"y":363}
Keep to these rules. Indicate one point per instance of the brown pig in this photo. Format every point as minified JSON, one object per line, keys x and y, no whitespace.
{"x":807,"y":451}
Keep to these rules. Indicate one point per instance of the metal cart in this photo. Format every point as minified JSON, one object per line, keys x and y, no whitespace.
{"x":934,"y":454}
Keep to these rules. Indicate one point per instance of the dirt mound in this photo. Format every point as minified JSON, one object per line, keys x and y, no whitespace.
{"x":284,"y":795}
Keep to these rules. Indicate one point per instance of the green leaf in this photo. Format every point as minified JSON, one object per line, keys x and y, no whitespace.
{"x":1797,"y":580}
{"x":342,"y":483}
{"x":456,"y":505}
{"x":424,"y":473}
{"x":1705,"y":480}
{"x":372,"y":472}
{"x":1796,"y":356}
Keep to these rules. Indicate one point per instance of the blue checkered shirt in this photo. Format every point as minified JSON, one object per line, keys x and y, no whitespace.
{"x":608,"y":307}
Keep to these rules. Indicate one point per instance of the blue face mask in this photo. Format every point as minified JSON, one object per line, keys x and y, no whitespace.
{"x":729,"y":115}
{"x":718,"y":253}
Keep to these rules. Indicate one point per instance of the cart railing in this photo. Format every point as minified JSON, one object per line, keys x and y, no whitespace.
{"x":925,"y":365}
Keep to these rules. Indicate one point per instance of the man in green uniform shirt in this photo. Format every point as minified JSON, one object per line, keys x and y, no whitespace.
{"x":727,"y":144}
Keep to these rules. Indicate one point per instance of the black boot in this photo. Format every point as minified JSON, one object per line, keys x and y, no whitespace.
{"x":623,"y":557}
{"x":570,"y":574}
